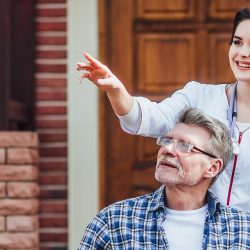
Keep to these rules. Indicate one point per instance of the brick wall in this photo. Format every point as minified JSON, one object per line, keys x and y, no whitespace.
{"x":19,"y":190}
{"x":51,"y":117}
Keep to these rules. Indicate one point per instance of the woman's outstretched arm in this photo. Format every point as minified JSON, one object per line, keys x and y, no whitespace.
{"x":99,"y":74}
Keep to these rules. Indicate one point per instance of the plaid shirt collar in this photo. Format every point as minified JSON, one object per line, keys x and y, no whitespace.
{"x":158,"y":201}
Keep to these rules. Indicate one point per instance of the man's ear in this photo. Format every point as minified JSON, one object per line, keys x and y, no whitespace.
{"x":216,"y":166}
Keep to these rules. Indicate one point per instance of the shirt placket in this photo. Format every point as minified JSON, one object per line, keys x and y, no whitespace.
{"x":206,"y":232}
{"x":161,"y":232}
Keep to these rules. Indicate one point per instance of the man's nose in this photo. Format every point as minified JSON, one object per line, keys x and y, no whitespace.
{"x":169,"y":149}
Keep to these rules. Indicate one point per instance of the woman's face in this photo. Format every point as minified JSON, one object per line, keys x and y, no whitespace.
{"x":239,"y":52}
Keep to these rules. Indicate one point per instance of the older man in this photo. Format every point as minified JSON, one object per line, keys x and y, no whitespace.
{"x":182,"y":213}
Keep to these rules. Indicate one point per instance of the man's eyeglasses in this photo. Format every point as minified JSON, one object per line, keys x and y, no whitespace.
{"x":180,"y":145}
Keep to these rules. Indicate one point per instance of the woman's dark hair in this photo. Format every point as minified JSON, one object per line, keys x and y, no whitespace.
{"x":241,"y":15}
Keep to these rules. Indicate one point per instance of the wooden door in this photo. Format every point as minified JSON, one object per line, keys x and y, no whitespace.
{"x":155,"y":47}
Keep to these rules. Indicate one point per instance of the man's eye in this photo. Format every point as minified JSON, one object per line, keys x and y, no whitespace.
{"x":183,"y":143}
{"x":168,"y":140}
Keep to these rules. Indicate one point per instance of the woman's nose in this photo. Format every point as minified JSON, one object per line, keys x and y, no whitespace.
{"x":245,"y":51}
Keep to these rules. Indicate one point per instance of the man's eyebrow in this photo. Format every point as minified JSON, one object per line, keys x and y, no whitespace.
{"x":238,"y":37}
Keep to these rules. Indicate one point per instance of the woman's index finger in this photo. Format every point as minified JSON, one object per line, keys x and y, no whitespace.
{"x":92,"y":60}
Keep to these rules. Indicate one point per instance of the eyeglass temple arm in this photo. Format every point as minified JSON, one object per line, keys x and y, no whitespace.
{"x":205,"y":153}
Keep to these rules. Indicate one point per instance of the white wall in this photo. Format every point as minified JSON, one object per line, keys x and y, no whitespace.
{"x":82,"y":120}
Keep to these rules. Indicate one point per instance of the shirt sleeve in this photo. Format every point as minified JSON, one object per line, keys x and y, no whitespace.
{"x":131,"y":122}
{"x":96,"y":236}
{"x":153,"y":119}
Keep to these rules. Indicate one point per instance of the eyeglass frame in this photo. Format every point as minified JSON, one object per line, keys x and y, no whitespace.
{"x":190,"y":148}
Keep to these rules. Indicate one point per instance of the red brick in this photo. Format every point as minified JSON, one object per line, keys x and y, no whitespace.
{"x":56,"y":137}
{"x":51,"y":124}
{"x":42,"y":12}
{"x":22,"y":190}
{"x":46,"y":110}
{"x":37,"y":248}
{"x":18,"y":139}
{"x":53,"y":207}
{"x":46,"y":54}
{"x":2,"y":223}
{"x":54,"y":236}
{"x":18,"y":206}
{"x":22,"y":223}
{"x":2,"y":155}
{"x":53,"y":194}
{"x":51,"y":68}
{"x":53,"y":221}
{"x":53,"y":178}
{"x":22,"y":156}
{"x":51,"y":40}
{"x":50,"y":26}
{"x":54,"y":152}
{"x":19,"y":240}
{"x":52,"y":166}
{"x":26,"y":173}
{"x":51,"y":82}
{"x":2,"y":189}
{"x":53,"y":246}
{"x":49,"y":1}
{"x":51,"y":95}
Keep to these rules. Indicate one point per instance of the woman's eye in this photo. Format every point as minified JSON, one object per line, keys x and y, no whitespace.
{"x":237,"y":42}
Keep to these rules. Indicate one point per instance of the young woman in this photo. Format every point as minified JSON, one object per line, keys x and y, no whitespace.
{"x":229,"y":103}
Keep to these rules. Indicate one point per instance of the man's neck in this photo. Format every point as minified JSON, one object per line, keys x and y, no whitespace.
{"x":185,"y":198}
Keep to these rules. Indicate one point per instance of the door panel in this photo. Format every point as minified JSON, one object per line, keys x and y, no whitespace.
{"x":224,"y":9}
{"x":165,"y":9}
{"x":218,"y":65}
{"x":160,"y":58}
{"x":155,"y":47}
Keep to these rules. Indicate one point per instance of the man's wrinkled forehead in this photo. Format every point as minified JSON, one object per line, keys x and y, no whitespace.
{"x":190,"y":133}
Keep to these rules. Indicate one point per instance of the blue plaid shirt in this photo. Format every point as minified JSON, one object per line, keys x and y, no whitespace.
{"x":137,"y":224}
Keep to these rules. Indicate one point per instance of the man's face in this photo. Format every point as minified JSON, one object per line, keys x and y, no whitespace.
{"x":177,"y":168}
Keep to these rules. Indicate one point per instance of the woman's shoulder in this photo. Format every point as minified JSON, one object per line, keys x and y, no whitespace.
{"x":206,"y":89}
{"x":200,"y":85}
